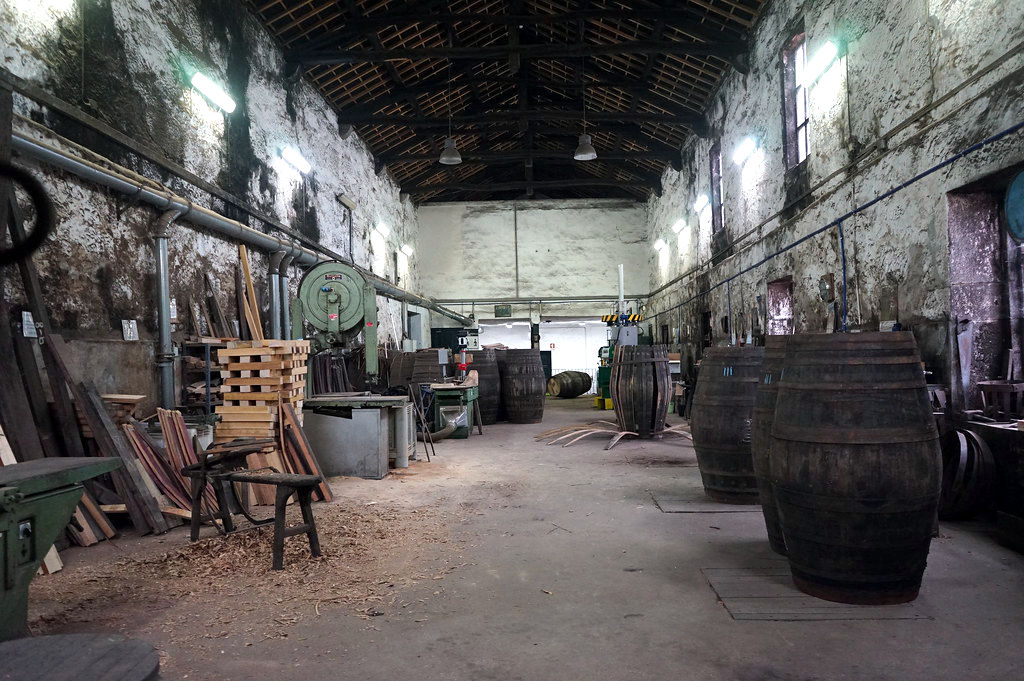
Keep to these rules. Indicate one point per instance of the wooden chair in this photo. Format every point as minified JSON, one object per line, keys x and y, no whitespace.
{"x":1002,"y":399}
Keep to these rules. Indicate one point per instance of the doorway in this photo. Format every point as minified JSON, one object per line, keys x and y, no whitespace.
{"x":985,"y":277}
{"x":780,"y":307}
{"x":414,"y":329}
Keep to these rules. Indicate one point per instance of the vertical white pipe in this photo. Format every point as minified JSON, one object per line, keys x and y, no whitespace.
{"x":622,"y":289}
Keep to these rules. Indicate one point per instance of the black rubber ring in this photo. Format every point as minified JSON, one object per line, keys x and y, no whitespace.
{"x":44,"y":215}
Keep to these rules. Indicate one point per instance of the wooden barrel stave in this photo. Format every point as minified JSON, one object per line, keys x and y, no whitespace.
{"x":425,"y":367}
{"x":856,"y":470}
{"x":640,"y":386}
{"x":523,"y":386}
{"x":400,"y":374}
{"x":485,"y":363}
{"x":721,"y":421}
{"x":763,"y":416}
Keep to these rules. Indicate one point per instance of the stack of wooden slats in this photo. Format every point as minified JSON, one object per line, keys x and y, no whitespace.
{"x":120,"y":407}
{"x":259,"y":377}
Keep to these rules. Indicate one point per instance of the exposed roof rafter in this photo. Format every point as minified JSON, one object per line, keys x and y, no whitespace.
{"x":514,"y":74}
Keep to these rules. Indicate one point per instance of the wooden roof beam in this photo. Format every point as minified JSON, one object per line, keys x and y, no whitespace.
{"x":726,"y":49}
{"x":537,"y":155}
{"x":686,"y":19}
{"x":522,"y":185}
{"x":690,"y":121}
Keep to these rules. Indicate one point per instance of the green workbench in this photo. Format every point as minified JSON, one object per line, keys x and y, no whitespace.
{"x":37,"y":499}
{"x":451,"y":398}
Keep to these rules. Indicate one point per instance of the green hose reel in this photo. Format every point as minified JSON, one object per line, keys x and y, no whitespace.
{"x":338,"y":303}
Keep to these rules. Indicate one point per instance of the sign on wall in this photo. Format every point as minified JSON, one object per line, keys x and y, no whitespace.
{"x":502,"y":310}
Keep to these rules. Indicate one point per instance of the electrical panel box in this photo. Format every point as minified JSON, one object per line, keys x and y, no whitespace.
{"x":627,"y":335}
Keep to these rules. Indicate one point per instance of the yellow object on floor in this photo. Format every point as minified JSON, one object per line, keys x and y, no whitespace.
{"x":603,"y":402}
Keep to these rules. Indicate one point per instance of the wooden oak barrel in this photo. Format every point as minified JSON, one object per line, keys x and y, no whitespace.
{"x":720,"y":423}
{"x":522,"y":386}
{"x":499,"y":358}
{"x":761,"y":433}
{"x":425,"y":368}
{"x":855,"y":465}
{"x":486,"y":366}
{"x":401,"y":369}
{"x":641,"y":387}
{"x":569,"y":384}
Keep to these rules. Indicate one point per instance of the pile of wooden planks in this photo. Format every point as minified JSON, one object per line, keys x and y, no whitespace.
{"x":259,"y":377}
{"x":120,"y":407}
{"x":39,"y":393}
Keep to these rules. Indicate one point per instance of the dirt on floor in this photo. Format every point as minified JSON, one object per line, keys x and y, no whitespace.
{"x":206,"y":589}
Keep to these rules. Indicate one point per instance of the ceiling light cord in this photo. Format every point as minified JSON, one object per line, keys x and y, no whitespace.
{"x":450,"y":155}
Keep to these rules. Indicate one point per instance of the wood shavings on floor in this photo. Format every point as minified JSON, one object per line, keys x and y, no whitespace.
{"x":223,"y":586}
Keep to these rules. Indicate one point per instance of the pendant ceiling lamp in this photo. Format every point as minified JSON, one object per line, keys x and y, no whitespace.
{"x":450,"y":155}
{"x":585,"y":150}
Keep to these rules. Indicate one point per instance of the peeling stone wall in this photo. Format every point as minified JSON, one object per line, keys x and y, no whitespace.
{"x":900,"y":59}
{"x":127,"y":62}
{"x":566,"y":248}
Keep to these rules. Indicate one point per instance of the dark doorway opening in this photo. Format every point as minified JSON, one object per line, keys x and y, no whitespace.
{"x":780,"y":307}
{"x":986,"y":272}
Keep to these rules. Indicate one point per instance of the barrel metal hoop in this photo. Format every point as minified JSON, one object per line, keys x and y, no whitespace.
{"x":855,"y":436}
{"x":819,"y":360}
{"x":842,"y":504}
{"x":864,"y":387}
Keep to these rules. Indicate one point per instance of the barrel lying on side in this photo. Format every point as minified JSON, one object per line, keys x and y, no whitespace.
{"x":486,"y":366}
{"x":720,"y":422}
{"x":522,"y":386}
{"x":641,"y":387}
{"x":761,"y":433}
{"x":569,"y":384}
{"x":855,"y":465}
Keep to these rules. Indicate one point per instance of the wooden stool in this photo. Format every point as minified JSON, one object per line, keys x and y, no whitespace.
{"x":287,"y":484}
{"x":222,"y":465}
{"x":1002,"y":398}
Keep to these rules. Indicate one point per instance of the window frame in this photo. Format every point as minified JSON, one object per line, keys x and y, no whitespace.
{"x":796,"y":127}
{"x":717,"y":197}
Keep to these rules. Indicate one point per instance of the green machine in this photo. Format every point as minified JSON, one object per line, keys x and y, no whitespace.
{"x":37,"y":499}
{"x":338,"y":303}
{"x":456,"y":405}
{"x":622,"y":330}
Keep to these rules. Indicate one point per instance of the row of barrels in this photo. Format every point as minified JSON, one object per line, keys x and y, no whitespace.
{"x":511,"y":382}
{"x":834,"y":435}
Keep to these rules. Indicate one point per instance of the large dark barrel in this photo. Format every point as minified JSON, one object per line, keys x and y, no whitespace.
{"x":425,"y":368}
{"x":486,"y":366}
{"x":569,"y":384}
{"x":723,"y":405}
{"x":641,"y":387}
{"x":522,"y":386}
{"x":856,"y":467}
{"x":401,"y":369}
{"x":761,"y":433}
{"x":500,"y":359}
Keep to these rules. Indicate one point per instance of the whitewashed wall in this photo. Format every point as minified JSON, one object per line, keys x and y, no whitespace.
{"x":565,"y":248}
{"x":900,"y":57}
{"x":131,"y":71}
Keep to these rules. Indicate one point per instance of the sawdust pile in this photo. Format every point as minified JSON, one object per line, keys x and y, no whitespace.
{"x":193,"y":591}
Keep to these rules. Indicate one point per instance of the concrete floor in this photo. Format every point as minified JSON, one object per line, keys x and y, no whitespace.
{"x":567,"y":570}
